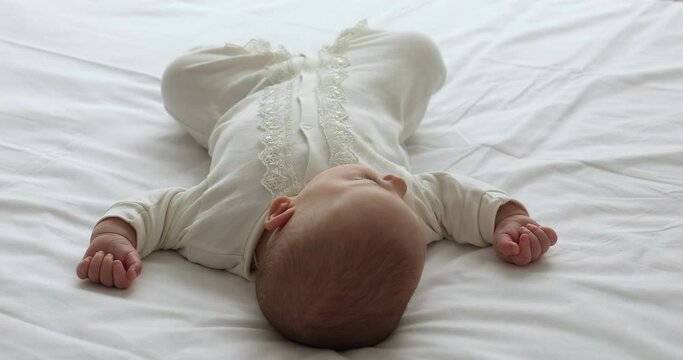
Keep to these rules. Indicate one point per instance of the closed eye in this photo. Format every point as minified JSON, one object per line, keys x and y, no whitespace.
{"x":372,"y":178}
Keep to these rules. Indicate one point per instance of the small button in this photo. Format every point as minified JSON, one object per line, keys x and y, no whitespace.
{"x":307,"y":127}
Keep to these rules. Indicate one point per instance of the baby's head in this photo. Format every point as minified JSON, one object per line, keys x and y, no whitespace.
{"x":344,"y":259}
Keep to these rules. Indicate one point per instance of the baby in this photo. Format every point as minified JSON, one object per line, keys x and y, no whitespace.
{"x":310,"y":193}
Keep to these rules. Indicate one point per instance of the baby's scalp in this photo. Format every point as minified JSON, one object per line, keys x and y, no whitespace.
{"x":340,"y":276}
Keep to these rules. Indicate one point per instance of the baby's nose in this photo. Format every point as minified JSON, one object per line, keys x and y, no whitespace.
{"x":397,"y":184}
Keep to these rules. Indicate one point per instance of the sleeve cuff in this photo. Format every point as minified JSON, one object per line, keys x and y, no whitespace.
{"x":133,"y":214}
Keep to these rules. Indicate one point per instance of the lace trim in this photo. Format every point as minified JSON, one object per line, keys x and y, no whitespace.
{"x":342,"y":42}
{"x":280,"y":67}
{"x":333,"y":118}
{"x":274,"y":108}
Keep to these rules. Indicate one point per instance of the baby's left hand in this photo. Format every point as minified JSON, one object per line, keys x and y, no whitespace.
{"x":520,"y":240}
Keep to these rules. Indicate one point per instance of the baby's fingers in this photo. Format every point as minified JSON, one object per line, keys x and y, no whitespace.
{"x":82,"y":268}
{"x":133,"y":263}
{"x":509,"y":249}
{"x":106,"y":276}
{"x":524,"y":256}
{"x":534,"y":243}
{"x":121,"y":281}
{"x":94,"y":269}
{"x":506,"y":247}
{"x":552,"y":235}
{"x":543,"y":239}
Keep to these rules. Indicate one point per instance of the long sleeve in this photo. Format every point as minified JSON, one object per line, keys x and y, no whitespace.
{"x":457,"y":207}
{"x":160,"y":217}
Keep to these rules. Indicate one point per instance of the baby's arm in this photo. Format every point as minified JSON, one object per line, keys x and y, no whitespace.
{"x":519,"y":239}
{"x":111,"y":258}
{"x":131,"y":230}
{"x":465,"y":210}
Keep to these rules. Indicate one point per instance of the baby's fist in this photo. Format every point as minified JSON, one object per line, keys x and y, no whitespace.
{"x":111,"y":258}
{"x":520,"y":240}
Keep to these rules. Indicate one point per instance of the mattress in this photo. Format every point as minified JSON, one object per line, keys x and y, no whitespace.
{"x":574,"y":107}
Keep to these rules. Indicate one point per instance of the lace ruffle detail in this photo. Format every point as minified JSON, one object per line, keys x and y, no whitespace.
{"x":332,"y":116}
{"x":342,"y":42}
{"x":280,"y":67}
{"x":274,"y":108}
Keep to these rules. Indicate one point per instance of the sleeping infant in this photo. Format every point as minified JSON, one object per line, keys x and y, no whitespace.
{"x":309,"y":192}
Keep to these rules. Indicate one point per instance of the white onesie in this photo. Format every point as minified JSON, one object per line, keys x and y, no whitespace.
{"x":271,"y":121}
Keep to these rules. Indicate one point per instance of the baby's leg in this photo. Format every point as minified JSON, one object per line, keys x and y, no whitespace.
{"x":397,"y":70}
{"x":201,"y":85}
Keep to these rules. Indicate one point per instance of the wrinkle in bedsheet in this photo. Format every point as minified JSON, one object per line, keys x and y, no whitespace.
{"x":24,"y":336}
{"x":45,"y":50}
{"x":571,"y":106}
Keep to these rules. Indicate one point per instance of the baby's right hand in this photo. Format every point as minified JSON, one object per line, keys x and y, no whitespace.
{"x":111,"y":260}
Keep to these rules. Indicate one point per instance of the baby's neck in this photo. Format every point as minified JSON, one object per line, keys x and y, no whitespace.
{"x":260,"y":248}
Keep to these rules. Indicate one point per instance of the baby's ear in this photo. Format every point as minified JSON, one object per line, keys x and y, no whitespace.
{"x":281,"y":210}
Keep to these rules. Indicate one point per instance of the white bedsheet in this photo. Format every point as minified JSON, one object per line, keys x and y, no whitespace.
{"x":575,"y":107}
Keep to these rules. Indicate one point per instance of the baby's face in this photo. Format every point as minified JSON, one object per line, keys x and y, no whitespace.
{"x":343,"y":180}
{"x":356,"y":194}
{"x":342,"y":199}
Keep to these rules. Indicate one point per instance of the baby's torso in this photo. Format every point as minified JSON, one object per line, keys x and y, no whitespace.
{"x":334,"y":108}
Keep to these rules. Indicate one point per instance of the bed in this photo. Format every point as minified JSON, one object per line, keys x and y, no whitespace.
{"x":573,"y":106}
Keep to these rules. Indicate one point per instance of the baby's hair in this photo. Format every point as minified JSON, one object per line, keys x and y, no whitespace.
{"x":337,"y":288}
